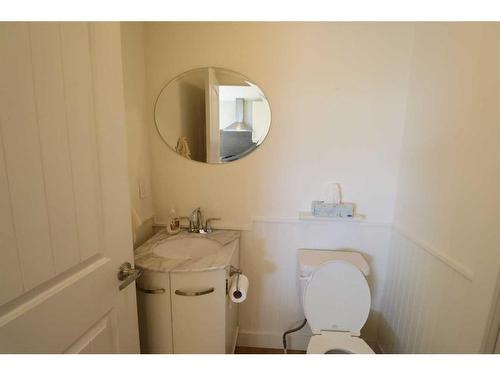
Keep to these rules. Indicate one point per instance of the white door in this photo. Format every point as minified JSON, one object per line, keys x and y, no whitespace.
{"x":64,"y":208}
{"x":212,"y":117}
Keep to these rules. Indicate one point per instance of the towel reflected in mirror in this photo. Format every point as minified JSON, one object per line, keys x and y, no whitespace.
{"x":182,"y":147}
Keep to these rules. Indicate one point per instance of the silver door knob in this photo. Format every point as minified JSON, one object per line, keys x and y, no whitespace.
{"x":128,"y":274}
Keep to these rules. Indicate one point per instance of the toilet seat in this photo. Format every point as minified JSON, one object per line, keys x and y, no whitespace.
{"x":337,"y":298}
{"x":336,"y":303}
{"x":337,"y":343}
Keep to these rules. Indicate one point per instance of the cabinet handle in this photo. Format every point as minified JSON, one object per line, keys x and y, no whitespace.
{"x":194,"y":293}
{"x":151,"y":291}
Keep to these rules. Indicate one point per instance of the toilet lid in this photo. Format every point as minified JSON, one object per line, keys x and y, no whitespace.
{"x":337,"y":298}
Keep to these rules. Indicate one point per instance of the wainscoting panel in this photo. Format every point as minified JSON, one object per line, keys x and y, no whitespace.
{"x":269,"y":259}
{"x":50,"y":199}
{"x":423,"y":300}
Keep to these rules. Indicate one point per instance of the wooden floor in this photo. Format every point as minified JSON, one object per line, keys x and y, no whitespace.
{"x":249,"y":350}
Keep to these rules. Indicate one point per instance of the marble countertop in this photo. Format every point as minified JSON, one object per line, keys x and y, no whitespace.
{"x":145,"y":257}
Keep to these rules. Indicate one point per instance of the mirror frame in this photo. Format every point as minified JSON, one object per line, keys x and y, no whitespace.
{"x":197,"y":69}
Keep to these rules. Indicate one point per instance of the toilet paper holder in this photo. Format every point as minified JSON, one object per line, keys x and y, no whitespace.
{"x":233,"y":271}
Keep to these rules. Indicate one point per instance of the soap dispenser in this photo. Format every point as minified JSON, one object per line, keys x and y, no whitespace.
{"x":173,"y":224}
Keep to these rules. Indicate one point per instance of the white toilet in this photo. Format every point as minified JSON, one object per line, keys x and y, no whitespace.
{"x":336,"y":300}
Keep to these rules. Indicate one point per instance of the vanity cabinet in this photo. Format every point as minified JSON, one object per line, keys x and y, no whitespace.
{"x":198,"y":311}
{"x":187,"y":312}
{"x":155,"y":314}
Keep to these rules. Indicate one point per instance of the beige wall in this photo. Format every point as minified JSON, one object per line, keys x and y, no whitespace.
{"x":134,"y":81}
{"x":445,"y":254}
{"x":337,"y":95}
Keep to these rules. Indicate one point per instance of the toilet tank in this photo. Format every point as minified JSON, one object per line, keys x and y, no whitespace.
{"x":311,"y":259}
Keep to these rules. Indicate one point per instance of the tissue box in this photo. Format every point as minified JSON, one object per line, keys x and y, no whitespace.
{"x":320,"y":208}
{"x":323,"y":209}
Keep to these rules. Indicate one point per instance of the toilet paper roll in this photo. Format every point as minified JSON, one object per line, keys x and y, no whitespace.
{"x":239,"y":288}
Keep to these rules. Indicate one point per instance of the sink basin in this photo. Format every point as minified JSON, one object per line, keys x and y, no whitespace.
{"x":187,"y":248}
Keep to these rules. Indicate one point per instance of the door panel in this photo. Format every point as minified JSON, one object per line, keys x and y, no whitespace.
{"x":49,"y":319}
{"x":66,"y":189}
{"x":79,"y":100}
{"x":10,"y":270}
{"x":100,"y":339}
{"x":22,"y":152}
{"x":49,"y":95}
{"x":212,"y":117}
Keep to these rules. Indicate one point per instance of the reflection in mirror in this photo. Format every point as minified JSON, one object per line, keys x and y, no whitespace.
{"x":212,"y":115}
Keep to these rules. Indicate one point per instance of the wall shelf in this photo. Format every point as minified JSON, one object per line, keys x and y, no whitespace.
{"x":308,"y":216}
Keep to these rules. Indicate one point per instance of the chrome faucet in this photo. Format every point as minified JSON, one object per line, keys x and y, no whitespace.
{"x":195,"y":221}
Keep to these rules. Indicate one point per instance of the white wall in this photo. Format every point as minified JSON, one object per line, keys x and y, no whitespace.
{"x":261,"y":117}
{"x":444,"y":255}
{"x":337,"y":113}
{"x":134,"y":82}
{"x":337,"y":94}
{"x":227,"y":112}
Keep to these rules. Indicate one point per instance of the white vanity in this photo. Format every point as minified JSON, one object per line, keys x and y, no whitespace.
{"x":182,"y":296}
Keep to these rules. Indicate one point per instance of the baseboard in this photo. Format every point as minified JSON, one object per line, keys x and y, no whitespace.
{"x":273,"y":340}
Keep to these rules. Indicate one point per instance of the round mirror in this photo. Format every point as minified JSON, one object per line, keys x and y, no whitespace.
{"x":212,"y":115}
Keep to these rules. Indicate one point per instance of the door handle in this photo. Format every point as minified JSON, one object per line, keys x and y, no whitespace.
{"x":190,"y":293}
{"x":151,"y":291}
{"x":128,"y":274}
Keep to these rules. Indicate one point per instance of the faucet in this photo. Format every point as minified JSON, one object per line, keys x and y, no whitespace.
{"x":195,"y":221}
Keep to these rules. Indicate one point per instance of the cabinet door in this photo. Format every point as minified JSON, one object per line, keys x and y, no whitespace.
{"x":155,"y":320}
{"x":198,"y":311}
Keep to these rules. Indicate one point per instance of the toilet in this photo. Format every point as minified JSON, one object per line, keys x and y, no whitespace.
{"x":336,"y":300}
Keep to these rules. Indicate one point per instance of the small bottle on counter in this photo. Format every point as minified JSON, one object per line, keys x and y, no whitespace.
{"x":173,"y":223}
